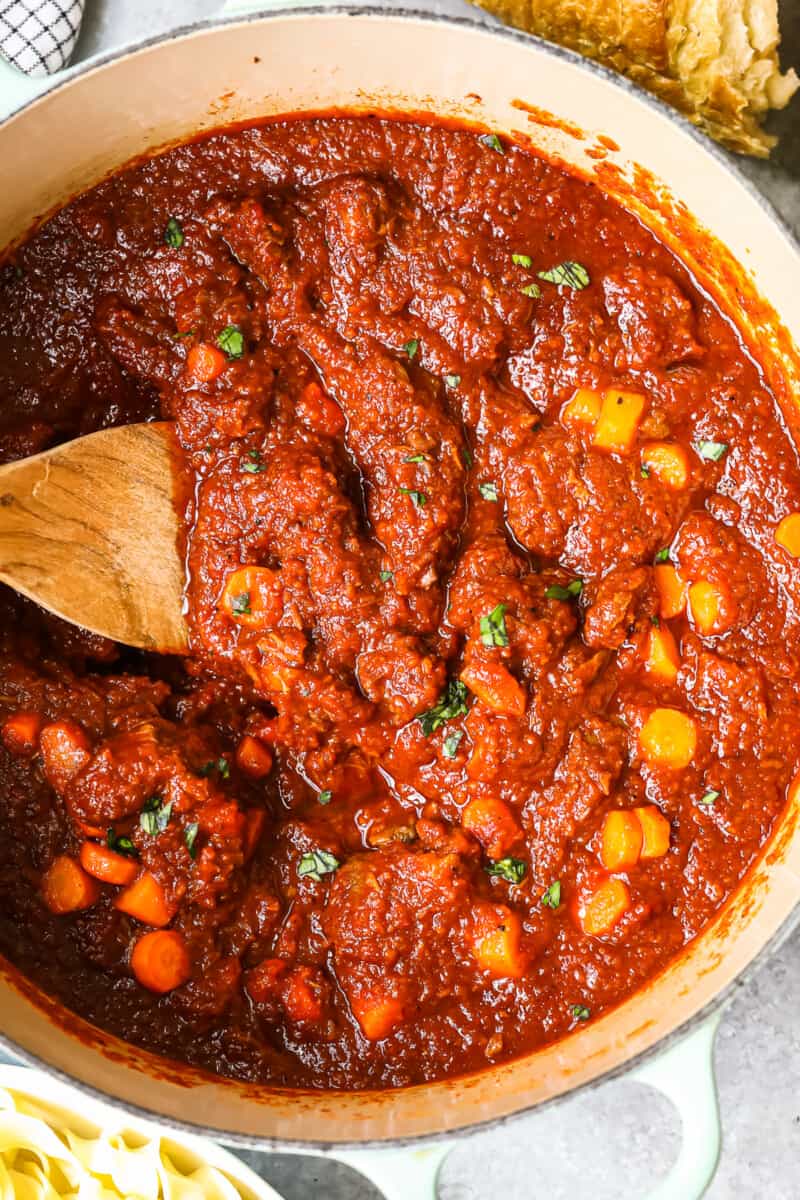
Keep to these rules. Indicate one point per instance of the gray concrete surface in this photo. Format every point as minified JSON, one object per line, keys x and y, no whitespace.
{"x":613,"y":1143}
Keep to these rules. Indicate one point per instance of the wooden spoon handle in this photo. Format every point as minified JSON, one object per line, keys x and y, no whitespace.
{"x":90,"y":531}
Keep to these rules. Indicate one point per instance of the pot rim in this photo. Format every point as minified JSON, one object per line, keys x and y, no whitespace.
{"x":728,"y":163}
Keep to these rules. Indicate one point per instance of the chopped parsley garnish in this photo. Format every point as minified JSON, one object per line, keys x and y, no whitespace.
{"x":511,"y":869}
{"x":663,"y":555}
{"x":240,"y":604}
{"x":452,"y":704}
{"x":708,"y":799}
{"x":466,"y":455}
{"x":551,"y":897}
{"x":416,"y":458}
{"x":253,"y":463}
{"x":557,"y":592}
{"x":493,"y":627}
{"x":419,"y":498}
{"x":452,"y":380}
{"x":522,"y":260}
{"x":231,"y":340}
{"x":580,"y":1012}
{"x":385,"y":576}
{"x":645,"y":471}
{"x":217,"y":764}
{"x":655,"y":622}
{"x":317,"y":863}
{"x":190,"y":838}
{"x":712,"y":451}
{"x":569,"y":274}
{"x":325,"y":796}
{"x":155,"y":815}
{"x":120,"y":843}
{"x":452,"y":742}
{"x":492,"y":141}
{"x":531,"y":289}
{"x":411,"y":347}
{"x":488,"y":490}
{"x":173,"y":234}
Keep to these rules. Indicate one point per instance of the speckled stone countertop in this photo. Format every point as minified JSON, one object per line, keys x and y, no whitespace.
{"x":614,"y":1142}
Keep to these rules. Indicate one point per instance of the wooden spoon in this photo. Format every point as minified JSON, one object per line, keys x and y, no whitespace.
{"x":90,"y":531}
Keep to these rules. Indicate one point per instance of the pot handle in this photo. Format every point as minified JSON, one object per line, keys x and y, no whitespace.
{"x":684,"y":1074}
{"x":17,"y":88}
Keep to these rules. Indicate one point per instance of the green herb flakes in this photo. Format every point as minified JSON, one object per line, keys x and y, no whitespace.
{"x":711,"y":451}
{"x":411,"y":348}
{"x":522,"y":260}
{"x":551,"y":897}
{"x":317,"y":863}
{"x":532,"y":290}
{"x":511,"y":869}
{"x":155,"y":815}
{"x":386,"y":576}
{"x":708,"y":799}
{"x":416,"y":458}
{"x":493,"y":627}
{"x":452,"y":381}
{"x":579,"y":1012}
{"x":567,"y":274}
{"x":252,"y":463}
{"x":488,"y":491}
{"x":190,"y":838}
{"x":325,"y":796}
{"x":663,"y":555}
{"x":452,"y":742}
{"x":493,"y":142}
{"x":450,"y":705}
{"x":419,"y":498}
{"x":173,"y":233}
{"x":231,"y":340}
{"x":557,"y":592}
{"x":120,"y":843}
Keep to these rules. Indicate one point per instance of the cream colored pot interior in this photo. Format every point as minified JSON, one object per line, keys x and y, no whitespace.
{"x":72,"y":137}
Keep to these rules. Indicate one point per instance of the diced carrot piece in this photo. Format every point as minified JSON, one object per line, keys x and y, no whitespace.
{"x":262,"y":982}
{"x":582,"y":409}
{"x":107,"y":865}
{"x":20,"y":733}
{"x":496,"y":937}
{"x":710,"y":607}
{"x":64,"y":748}
{"x":621,"y":841}
{"x":253,"y":596}
{"x":253,"y":757}
{"x":655,"y":831}
{"x":66,"y":887}
{"x":254,"y":825}
{"x":378,"y":1013}
{"x":619,"y":419}
{"x":495,"y":686}
{"x":302,"y":998}
{"x":205,"y":362}
{"x":668,"y":738}
{"x":600,"y":912}
{"x":145,"y":900}
{"x":316,"y":409}
{"x":663,"y":660}
{"x":160,"y":961}
{"x":788,"y":534}
{"x":493,"y":823}
{"x":671,"y":591}
{"x":669,"y":462}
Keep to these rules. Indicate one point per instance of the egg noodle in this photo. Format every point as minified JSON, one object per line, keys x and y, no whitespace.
{"x":42,"y":1158}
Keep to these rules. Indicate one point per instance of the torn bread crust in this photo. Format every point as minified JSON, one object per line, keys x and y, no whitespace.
{"x":715,"y":60}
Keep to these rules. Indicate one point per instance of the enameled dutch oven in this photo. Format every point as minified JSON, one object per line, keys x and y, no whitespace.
{"x":116,"y":107}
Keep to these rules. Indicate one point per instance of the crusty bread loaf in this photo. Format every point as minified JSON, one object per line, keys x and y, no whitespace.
{"x":716,"y":60}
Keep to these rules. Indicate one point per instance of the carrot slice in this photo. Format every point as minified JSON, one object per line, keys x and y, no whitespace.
{"x":600,"y":912}
{"x":497,"y":932}
{"x":317,"y":410}
{"x":655,"y":831}
{"x":20,"y":733}
{"x":671,"y":591}
{"x":205,"y":362}
{"x":621,"y":842}
{"x":496,"y":687}
{"x":493,"y":823}
{"x":668,"y":738}
{"x":254,"y":757}
{"x":160,"y":961}
{"x":144,"y":899}
{"x":582,"y":409}
{"x":709,"y":607}
{"x":378,"y":1013}
{"x":663,"y":660}
{"x":64,"y":748}
{"x":619,"y":419}
{"x":787,"y":534}
{"x":253,"y":597}
{"x":669,"y":462}
{"x":66,"y":887}
{"x":107,"y":865}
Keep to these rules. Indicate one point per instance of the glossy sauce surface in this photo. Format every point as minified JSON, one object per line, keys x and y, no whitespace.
{"x":492,"y":697}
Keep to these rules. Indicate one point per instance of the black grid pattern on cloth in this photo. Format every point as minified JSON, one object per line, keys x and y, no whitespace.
{"x":38,"y":36}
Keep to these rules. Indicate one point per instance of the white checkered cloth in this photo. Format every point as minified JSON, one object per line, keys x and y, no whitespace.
{"x":38,"y":36}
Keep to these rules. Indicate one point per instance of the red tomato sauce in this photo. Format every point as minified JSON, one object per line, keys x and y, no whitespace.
{"x":492,"y":692}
